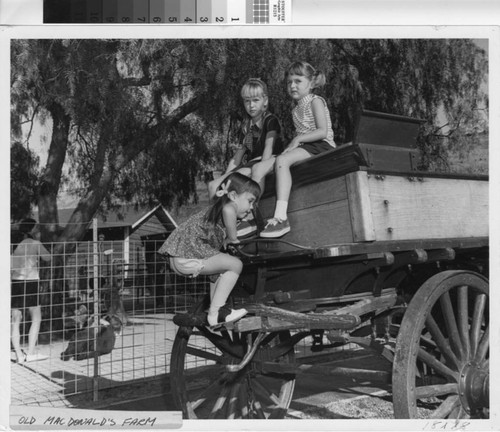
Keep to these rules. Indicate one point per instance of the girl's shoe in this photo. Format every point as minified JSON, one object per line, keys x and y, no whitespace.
{"x":21,"y":360}
{"x":246,"y":227}
{"x":227,"y":316}
{"x":275,"y":228}
{"x":35,"y":357}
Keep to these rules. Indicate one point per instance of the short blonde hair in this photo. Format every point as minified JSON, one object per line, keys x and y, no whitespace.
{"x":254,"y":87}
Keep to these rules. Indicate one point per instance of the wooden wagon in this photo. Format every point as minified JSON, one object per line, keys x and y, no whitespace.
{"x":380,"y":256}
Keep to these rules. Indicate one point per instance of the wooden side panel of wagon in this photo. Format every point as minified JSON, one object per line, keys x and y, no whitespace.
{"x":406,"y":207}
{"x":350,"y":203}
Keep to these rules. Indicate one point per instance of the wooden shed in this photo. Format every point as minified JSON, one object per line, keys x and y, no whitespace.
{"x":125,"y":235}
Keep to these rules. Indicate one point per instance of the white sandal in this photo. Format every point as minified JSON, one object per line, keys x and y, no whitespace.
{"x":35,"y":357}
{"x":23,"y":358}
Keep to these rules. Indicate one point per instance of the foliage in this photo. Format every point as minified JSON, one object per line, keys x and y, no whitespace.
{"x":23,"y":180}
{"x":137,"y":120}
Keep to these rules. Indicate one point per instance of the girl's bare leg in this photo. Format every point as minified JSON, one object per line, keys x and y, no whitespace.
{"x":284,"y":178}
{"x":15,"y":333}
{"x":260,"y":170}
{"x":229,"y":268}
{"x":36,"y":320}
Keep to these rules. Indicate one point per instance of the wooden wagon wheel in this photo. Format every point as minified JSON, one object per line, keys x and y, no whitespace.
{"x":441,"y":364}
{"x":203,"y":388}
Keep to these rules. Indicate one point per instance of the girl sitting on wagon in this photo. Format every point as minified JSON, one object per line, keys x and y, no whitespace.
{"x":260,"y":142}
{"x":314,"y":135}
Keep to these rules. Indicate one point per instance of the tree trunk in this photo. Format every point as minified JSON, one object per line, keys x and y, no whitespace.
{"x":51,"y":177}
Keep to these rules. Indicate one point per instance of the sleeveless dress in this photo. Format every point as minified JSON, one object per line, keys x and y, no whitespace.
{"x":195,"y":238}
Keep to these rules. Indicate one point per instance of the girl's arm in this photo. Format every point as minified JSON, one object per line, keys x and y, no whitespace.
{"x":269,"y":145}
{"x":230,"y":219}
{"x":236,"y":159}
{"x":321,"y":131}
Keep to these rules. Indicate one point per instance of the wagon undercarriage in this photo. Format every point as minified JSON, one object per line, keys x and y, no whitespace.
{"x":436,"y":335}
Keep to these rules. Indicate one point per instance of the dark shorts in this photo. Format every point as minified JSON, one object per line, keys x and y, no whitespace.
{"x":24,"y":294}
{"x":316,"y":147}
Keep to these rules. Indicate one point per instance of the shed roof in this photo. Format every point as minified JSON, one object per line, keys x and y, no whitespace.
{"x":125,"y":216}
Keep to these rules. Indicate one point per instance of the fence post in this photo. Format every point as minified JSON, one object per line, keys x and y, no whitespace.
{"x":95,"y":379}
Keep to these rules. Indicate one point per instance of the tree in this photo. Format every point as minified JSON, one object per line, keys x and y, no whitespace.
{"x":137,"y":120}
{"x":106,"y":109}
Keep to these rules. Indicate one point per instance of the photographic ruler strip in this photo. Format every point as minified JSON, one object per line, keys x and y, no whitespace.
{"x":222,"y":12}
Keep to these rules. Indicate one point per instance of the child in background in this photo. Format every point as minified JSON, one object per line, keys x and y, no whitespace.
{"x":260,"y":142}
{"x":314,"y":135}
{"x":194,"y":247}
{"x":25,"y":277}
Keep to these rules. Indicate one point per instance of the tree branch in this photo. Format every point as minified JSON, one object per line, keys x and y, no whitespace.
{"x":136,"y":82}
{"x":145,"y":139}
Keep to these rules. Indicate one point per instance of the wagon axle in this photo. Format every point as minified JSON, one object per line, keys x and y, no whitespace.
{"x":474,"y":388}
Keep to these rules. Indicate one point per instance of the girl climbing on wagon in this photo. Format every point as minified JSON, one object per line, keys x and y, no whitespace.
{"x":194,"y":247}
{"x":259,"y":143}
{"x":313,"y":135}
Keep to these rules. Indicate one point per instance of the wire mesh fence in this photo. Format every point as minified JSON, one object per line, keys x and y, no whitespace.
{"x":107,"y":311}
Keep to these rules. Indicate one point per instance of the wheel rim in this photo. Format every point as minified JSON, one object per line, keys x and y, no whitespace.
{"x":203,"y":389}
{"x":441,"y":364}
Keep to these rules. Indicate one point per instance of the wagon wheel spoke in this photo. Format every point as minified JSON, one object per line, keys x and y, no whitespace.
{"x":205,"y":394}
{"x":219,"y":403}
{"x":477,"y":321}
{"x":236,"y":337}
{"x":197,"y":352}
{"x":483,"y":347}
{"x":243,"y":400}
{"x":451,"y":325}
{"x":232,"y":405}
{"x":226,"y":335}
{"x":436,"y":390}
{"x":223,"y":343}
{"x":462,"y":414}
{"x":446,"y":408}
{"x":437,"y":365}
{"x":463,"y":317}
{"x":260,"y":389}
{"x":258,"y":410}
{"x":458,"y":413}
{"x":441,"y":341}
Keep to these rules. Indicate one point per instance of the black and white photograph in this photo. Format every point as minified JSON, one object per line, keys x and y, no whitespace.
{"x":236,"y":229}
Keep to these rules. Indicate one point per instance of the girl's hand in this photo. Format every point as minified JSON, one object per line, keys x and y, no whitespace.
{"x":293,"y":145}
{"x":228,"y":242}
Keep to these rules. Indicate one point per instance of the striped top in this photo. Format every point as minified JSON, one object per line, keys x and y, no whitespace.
{"x":303,"y":118}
